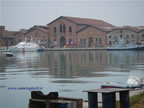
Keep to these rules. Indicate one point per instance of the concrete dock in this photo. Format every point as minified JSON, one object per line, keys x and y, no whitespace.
{"x":74,"y":49}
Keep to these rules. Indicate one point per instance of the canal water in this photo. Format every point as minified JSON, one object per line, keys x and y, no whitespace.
{"x":68,"y":72}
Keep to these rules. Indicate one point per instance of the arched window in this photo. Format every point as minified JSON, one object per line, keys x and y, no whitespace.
{"x":84,"y":41}
{"x":142,"y":35}
{"x":127,"y":36}
{"x":70,"y":29}
{"x":121,"y":36}
{"x":127,"y":41}
{"x":110,"y":43}
{"x":96,"y":41}
{"x":109,"y":36}
{"x":54,"y":29}
{"x":60,"y":27}
{"x":90,"y":42}
{"x":132,"y":36}
{"x":81,"y":41}
{"x":64,"y":28}
{"x":100,"y":41}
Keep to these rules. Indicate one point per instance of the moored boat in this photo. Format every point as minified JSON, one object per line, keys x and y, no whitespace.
{"x":134,"y":81}
{"x":126,"y":47}
{"x":9,"y":54}
{"x":26,"y":47}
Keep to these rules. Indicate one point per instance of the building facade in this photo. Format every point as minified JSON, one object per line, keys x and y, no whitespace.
{"x":92,"y":36}
{"x":6,"y":37}
{"x":122,"y":35}
{"x":71,"y":31}
{"x":19,"y":36}
{"x":38,"y":34}
{"x":141,"y":37}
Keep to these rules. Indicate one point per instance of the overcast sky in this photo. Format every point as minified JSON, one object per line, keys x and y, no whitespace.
{"x":18,"y":14}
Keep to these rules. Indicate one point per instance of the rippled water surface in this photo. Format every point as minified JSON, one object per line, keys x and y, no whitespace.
{"x":68,"y":72}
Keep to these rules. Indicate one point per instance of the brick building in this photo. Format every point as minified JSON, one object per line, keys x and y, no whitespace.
{"x":2,"y":28}
{"x":38,"y":34}
{"x":6,"y":37}
{"x":92,"y":36}
{"x":141,"y":35}
{"x":19,"y":36}
{"x":70,"y":30}
{"x":125,"y":35}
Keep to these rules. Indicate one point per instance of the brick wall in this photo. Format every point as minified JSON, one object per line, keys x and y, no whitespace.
{"x":38,"y":36}
{"x":93,"y":37}
{"x":58,"y":35}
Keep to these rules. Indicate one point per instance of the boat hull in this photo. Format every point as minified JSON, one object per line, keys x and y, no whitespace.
{"x":24,"y":49}
{"x":126,"y":48}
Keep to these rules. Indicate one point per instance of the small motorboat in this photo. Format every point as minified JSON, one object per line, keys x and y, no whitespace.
{"x":9,"y":54}
{"x":134,"y":81}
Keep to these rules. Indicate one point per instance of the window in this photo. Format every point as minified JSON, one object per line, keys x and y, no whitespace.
{"x":60,"y":27}
{"x":127,"y":36}
{"x":127,"y":41}
{"x":54,"y":29}
{"x":100,"y":41}
{"x":96,"y":41}
{"x":110,"y":42}
{"x":70,"y":29}
{"x":121,"y":36}
{"x":81,"y":42}
{"x":64,"y":28}
{"x":84,"y":41}
{"x":142,"y":35}
{"x":110,"y":36}
{"x":132,"y":36}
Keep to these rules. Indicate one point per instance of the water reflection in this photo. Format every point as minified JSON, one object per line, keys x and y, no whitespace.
{"x":68,"y":72}
{"x":73,"y":64}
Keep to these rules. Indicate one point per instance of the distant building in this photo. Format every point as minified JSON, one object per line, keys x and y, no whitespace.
{"x":93,"y":36}
{"x":141,"y":35}
{"x":125,"y":35}
{"x":19,"y":36}
{"x":38,"y":34}
{"x":68,"y":31}
{"x":6,"y":37}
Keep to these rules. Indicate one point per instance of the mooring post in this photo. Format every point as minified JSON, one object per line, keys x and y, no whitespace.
{"x":124,"y":99}
{"x":109,"y":100}
{"x":92,"y":100}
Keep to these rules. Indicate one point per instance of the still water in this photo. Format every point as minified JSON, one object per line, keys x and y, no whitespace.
{"x":68,"y":72}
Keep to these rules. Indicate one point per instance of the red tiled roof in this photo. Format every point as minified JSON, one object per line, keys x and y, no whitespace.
{"x":88,"y":21}
{"x":85,"y":21}
{"x":132,"y":28}
{"x":105,"y":29}
{"x":44,"y":30}
{"x":41,"y":28}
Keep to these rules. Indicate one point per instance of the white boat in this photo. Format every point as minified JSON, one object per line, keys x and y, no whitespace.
{"x":25,"y":47}
{"x":120,"y":44}
{"x":126,"y":47}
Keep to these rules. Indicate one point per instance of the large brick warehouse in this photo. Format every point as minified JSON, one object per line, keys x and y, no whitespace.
{"x":78,"y":32}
